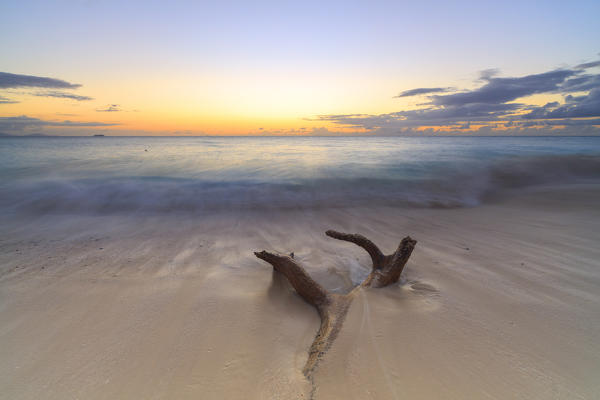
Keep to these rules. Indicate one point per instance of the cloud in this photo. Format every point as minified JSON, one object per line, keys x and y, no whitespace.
{"x":502,"y":90}
{"x":581,"y":83}
{"x":589,"y":65}
{"x":420,"y":91}
{"x":8,"y":80}
{"x":486,"y":74}
{"x":11,"y":81}
{"x":4,"y":100}
{"x":499,"y":104}
{"x":478,"y":112}
{"x":24,"y":123}
{"x":587,"y":106}
{"x":62,"y":95}
{"x":110,"y":108}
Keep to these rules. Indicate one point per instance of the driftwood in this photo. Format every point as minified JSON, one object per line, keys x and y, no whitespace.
{"x":333,"y":307}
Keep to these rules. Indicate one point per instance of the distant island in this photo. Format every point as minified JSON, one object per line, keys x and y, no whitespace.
{"x":98,"y":135}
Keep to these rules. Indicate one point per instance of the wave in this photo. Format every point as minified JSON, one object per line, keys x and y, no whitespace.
{"x":465,"y":184}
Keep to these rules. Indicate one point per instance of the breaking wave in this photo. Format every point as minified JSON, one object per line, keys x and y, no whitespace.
{"x":458,"y":185}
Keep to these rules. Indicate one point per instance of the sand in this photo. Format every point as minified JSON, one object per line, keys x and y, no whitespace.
{"x":500,"y":301}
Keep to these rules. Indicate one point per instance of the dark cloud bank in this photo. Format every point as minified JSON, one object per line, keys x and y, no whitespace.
{"x":24,"y":125}
{"x":10,"y":81}
{"x":494,"y":107}
{"x":16,"y":81}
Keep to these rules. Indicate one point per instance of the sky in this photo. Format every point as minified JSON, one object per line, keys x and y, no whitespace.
{"x":299,"y":68}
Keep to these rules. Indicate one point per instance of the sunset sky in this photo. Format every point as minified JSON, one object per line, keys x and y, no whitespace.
{"x":281,"y":68}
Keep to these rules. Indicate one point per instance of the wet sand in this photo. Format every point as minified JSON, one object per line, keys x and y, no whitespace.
{"x":498,"y":301}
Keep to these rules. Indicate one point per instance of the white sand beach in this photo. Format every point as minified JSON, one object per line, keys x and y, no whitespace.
{"x":499,"y":301}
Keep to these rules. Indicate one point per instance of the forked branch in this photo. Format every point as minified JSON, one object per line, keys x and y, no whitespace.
{"x":332,"y":308}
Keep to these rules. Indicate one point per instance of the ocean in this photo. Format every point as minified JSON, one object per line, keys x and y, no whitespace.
{"x":109,"y":175}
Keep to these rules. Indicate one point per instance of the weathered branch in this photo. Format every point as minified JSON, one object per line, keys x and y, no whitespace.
{"x":332,"y":308}
{"x":306,"y":286}
{"x":371,"y":248}
{"x":394,"y":264}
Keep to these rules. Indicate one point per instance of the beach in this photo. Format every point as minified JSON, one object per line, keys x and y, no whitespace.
{"x":304,"y":200}
{"x":497,"y":301}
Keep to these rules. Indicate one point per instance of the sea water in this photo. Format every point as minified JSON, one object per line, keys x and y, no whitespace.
{"x":202,"y":174}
